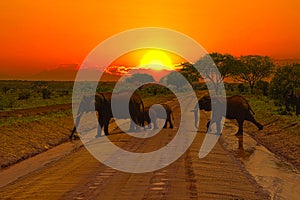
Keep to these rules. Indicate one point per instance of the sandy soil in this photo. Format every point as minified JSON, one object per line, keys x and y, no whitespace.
{"x":218,"y":176}
{"x":278,"y":140}
{"x":24,"y":139}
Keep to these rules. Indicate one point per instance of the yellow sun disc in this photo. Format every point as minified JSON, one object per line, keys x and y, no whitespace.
{"x":157,"y":60}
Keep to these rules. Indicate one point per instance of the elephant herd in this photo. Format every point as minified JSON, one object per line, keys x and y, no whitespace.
{"x":237,"y":108}
{"x":138,"y":114}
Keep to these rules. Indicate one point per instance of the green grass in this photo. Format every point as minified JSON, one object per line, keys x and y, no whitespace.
{"x":61,"y":93}
{"x":52,"y":116}
{"x":160,"y":98}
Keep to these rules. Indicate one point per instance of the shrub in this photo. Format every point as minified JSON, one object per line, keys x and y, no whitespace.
{"x":5,"y":89}
{"x":24,"y":95}
{"x":241,"y":88}
{"x":263,"y":87}
{"x":62,"y":93}
{"x":6,"y":102}
{"x":46,"y":93}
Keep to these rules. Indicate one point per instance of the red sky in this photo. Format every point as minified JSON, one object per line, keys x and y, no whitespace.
{"x":38,"y":35}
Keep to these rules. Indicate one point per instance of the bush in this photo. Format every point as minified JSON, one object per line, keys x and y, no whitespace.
{"x":241,"y":88}
{"x":5,"y":89}
{"x":263,"y":87}
{"x":1,"y":103}
{"x":104,"y":89}
{"x":285,"y":82}
{"x":46,"y":93}
{"x":62,"y":93}
{"x":24,"y":95}
{"x":6,"y":102}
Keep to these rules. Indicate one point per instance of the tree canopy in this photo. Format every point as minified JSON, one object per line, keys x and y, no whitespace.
{"x":253,"y":68}
{"x":175,"y":79}
{"x":286,"y":81}
{"x":214,"y":66}
{"x":140,"y":78}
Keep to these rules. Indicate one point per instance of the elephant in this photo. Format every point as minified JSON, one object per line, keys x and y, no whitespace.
{"x":101,"y":102}
{"x":237,"y":108}
{"x":155,"y":113}
{"x":88,"y":104}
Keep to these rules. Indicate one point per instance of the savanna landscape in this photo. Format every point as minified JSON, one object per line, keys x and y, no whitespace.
{"x":150,"y":100}
{"x":36,"y":116}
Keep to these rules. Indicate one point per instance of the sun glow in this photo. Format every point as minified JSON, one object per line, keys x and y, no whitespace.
{"x":157,"y":60}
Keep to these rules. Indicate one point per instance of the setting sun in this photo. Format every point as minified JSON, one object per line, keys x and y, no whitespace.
{"x":157,"y":60}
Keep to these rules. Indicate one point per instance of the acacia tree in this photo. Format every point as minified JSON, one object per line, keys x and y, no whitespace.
{"x":252,"y":69}
{"x":139,"y":78}
{"x":208,"y":66}
{"x":175,"y":79}
{"x":189,"y":72}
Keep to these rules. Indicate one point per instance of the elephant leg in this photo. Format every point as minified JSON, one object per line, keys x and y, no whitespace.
{"x":137,"y":124}
{"x":250,"y":118}
{"x":240,"y":131}
{"x":166,"y":123}
{"x":105,"y":124}
{"x":218,"y":124}
{"x":155,"y":124}
{"x":208,"y":126}
{"x":170,"y":122}
{"x":73,"y":131}
{"x":101,"y":122}
{"x":132,"y":126}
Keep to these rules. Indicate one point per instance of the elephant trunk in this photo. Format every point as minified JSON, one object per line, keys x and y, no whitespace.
{"x":196,"y":117}
{"x":195,"y":110}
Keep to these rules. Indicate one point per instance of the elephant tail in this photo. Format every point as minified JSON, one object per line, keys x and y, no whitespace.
{"x":72,"y":133}
{"x":172,"y":116}
{"x":143,"y":107}
{"x":250,"y":109}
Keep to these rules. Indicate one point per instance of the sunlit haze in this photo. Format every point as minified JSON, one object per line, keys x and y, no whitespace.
{"x":157,"y":60}
{"x":43,"y":35}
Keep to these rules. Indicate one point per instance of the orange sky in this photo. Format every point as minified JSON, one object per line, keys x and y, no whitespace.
{"x":37,"y":35}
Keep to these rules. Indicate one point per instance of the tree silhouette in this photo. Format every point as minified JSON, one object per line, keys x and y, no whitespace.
{"x":253,"y":68}
{"x":286,"y":81}
{"x":214,"y":67}
{"x":189,"y":72}
{"x":175,"y":79}
{"x":140,"y":78}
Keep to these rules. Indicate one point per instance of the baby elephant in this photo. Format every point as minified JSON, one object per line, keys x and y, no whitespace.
{"x":157,"y":112}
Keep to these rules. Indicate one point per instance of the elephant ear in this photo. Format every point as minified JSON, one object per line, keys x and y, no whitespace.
{"x":206,"y":98}
{"x":218,"y":100}
{"x":206,"y":102}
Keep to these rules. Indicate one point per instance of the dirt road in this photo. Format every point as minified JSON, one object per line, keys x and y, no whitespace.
{"x":78,"y":175}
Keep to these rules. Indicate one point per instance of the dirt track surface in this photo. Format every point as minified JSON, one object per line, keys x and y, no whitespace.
{"x":279,"y":140}
{"x":80,"y":176}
